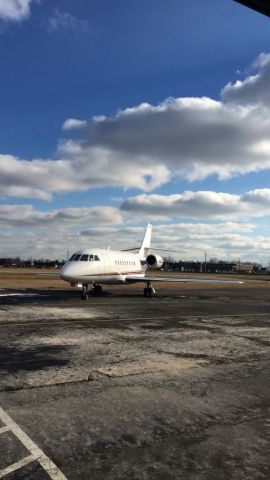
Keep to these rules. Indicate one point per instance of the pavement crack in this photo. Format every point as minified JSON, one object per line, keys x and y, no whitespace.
{"x":129,"y":358}
{"x":194,"y":356}
{"x":21,"y":382}
{"x":259,"y":341}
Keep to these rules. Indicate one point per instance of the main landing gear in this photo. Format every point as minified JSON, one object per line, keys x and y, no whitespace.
{"x":84,"y":295}
{"x":97,"y":290}
{"x":149,"y":290}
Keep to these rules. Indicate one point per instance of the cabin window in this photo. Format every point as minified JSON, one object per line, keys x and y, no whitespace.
{"x":76,"y":257}
{"x":84,"y":258}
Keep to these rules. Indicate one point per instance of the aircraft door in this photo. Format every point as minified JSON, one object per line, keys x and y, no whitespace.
{"x":105,"y":263}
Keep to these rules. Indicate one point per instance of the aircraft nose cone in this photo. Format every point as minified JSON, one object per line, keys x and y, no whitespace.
{"x":64,"y":273}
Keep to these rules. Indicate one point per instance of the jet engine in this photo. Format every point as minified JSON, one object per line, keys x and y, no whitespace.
{"x":154,"y":261}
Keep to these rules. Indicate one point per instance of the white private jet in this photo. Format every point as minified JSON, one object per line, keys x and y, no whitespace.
{"x":111,"y":267}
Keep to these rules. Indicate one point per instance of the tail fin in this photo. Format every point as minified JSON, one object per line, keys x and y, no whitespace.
{"x":146,"y":243}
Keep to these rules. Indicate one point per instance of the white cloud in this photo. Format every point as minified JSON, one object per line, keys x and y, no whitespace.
{"x":73,"y":123}
{"x":28,"y":232}
{"x":66,"y":21}
{"x":145,"y":146}
{"x":194,"y":137}
{"x":201,"y":204}
{"x":255,"y":89}
{"x":225,"y":241}
{"x":79,"y":168}
{"x":14,"y":10}
{"x":26,"y":215}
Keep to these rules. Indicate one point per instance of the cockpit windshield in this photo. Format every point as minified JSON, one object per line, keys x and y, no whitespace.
{"x":84,"y":257}
{"x":94,"y":258}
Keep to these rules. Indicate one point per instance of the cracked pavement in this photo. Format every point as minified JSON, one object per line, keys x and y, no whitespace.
{"x":176,"y":386}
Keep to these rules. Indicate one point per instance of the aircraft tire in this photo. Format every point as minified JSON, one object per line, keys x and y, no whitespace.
{"x":147,"y":292}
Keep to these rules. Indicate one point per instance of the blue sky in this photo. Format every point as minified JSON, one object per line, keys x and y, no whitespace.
{"x":116,"y":112}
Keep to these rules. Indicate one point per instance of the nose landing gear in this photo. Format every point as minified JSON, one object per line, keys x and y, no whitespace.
{"x":84,"y":295}
{"x":149,"y":290}
{"x":97,"y":290}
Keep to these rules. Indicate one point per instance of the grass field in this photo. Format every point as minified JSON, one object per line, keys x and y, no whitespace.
{"x":20,"y":278}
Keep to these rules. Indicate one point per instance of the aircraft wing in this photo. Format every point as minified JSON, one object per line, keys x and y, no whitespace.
{"x":134,"y":278}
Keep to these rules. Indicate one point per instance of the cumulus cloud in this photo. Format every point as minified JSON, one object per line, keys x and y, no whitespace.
{"x":201,"y":204}
{"x":225,"y":241}
{"x":194,"y":137}
{"x":145,"y":146}
{"x":28,"y":232}
{"x":73,"y":123}
{"x":26,"y":215}
{"x":78,"y":168}
{"x":14,"y":10}
{"x":193,"y":239}
{"x":255,"y":88}
{"x":170,"y":234}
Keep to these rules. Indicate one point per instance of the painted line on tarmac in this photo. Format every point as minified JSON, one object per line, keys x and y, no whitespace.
{"x":4,"y":429}
{"x":17,"y":465}
{"x":36,"y":453}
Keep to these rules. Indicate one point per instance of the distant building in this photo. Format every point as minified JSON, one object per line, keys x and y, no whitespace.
{"x":250,"y":267}
{"x":9,"y":262}
{"x":200,"y":267}
{"x":215,"y":266}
